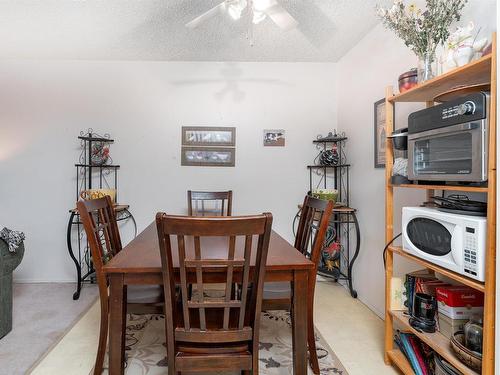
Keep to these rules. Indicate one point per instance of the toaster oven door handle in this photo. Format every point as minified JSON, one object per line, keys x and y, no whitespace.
{"x":447,"y":129}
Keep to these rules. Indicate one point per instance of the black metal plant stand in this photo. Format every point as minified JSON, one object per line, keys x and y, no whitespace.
{"x":337,"y":264}
{"x":91,"y":175}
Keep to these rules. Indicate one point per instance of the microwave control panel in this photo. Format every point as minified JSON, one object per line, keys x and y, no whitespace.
{"x":470,"y":251}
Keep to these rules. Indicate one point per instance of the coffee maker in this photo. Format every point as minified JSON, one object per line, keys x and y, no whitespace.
{"x":423,"y":316}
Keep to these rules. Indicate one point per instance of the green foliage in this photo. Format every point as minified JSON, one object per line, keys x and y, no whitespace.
{"x":422,"y":30}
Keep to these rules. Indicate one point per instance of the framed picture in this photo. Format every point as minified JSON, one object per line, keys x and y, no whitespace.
{"x":274,"y":137}
{"x":208,"y":136}
{"x":379,"y":136}
{"x":208,"y":156}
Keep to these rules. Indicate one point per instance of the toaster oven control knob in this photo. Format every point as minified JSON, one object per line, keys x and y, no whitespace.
{"x":467,"y":108}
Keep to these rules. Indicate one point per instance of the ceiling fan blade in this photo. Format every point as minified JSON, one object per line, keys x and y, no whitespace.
{"x":281,"y":17}
{"x":207,"y":15}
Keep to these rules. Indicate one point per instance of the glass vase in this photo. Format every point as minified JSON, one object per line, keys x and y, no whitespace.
{"x":426,"y":67}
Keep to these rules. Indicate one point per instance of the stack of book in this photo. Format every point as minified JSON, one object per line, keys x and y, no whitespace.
{"x":419,"y":355}
{"x":422,"y":281}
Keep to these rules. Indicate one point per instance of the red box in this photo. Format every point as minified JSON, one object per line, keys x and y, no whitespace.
{"x":459,"y":296}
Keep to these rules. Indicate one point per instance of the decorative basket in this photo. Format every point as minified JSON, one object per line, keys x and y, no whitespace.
{"x":98,"y":193}
{"x":466,"y":356}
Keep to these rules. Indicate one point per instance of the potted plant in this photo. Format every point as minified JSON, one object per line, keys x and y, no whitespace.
{"x":422,"y":30}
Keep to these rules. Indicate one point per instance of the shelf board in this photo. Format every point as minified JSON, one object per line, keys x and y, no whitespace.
{"x":476,"y":72}
{"x":437,"y":341}
{"x":97,"y":166}
{"x":96,"y":139}
{"x":331,"y":140}
{"x":336,"y":209}
{"x":328,"y":166}
{"x":442,"y":271}
{"x":399,"y":359}
{"x":476,"y":189}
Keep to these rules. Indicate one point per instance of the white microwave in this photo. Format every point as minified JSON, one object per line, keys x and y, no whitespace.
{"x":455,"y":242}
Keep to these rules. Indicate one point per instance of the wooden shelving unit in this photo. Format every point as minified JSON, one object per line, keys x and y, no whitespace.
{"x":436,"y":340}
{"x":478,"y":72}
{"x":475,"y":73}
{"x":400,"y":361}
{"x":470,"y":189}
{"x":443,"y":271}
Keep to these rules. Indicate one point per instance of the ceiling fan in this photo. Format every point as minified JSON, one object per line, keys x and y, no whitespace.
{"x":259,"y":10}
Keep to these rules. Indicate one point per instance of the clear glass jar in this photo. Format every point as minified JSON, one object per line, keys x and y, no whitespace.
{"x":473,"y":332}
{"x":426,"y":66}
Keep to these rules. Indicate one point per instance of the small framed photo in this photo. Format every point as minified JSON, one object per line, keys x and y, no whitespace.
{"x":208,"y":156}
{"x":379,"y":136}
{"x":208,"y":136}
{"x":274,"y":137}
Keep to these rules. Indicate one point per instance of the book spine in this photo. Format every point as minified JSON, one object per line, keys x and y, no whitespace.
{"x":412,"y":357}
{"x":415,"y":344}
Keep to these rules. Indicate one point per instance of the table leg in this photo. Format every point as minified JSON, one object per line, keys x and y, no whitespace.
{"x":299,"y":322}
{"x":116,"y":325}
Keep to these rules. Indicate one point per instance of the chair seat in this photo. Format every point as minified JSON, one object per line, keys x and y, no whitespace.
{"x":277,"y":290}
{"x":189,"y":348}
{"x":144,"y":294}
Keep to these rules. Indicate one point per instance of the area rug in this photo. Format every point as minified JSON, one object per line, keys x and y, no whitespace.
{"x":145,"y":347}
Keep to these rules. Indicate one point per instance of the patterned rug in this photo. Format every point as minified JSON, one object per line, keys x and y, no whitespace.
{"x":145,"y":346}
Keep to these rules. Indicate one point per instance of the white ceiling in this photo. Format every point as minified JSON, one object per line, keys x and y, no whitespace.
{"x":154,"y":30}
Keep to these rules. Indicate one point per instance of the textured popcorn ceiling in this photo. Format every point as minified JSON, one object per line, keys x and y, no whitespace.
{"x":154,"y":30}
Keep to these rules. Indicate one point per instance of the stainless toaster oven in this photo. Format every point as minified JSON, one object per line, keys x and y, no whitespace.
{"x":448,"y":142}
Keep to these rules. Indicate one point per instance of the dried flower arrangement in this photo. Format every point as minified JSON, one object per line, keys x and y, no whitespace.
{"x":422,"y":30}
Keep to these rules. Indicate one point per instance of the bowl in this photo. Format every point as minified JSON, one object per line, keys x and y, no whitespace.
{"x":326,"y":194}
{"x":466,"y":356}
{"x":400,"y":139}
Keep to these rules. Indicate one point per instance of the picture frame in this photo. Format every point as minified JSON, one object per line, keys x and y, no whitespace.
{"x":208,"y":136}
{"x":274,"y":138}
{"x":208,"y":156}
{"x":379,"y":133}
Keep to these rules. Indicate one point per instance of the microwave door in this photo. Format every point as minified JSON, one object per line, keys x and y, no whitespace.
{"x":433,"y":240}
{"x":457,"y":246}
{"x":444,"y":155}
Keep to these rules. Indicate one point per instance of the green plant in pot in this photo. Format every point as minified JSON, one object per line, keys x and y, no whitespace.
{"x":422,"y":30}
{"x":326,"y":194}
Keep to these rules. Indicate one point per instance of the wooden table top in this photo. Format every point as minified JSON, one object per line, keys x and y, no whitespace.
{"x":142,"y":254}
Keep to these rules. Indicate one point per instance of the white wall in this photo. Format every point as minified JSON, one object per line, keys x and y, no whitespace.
{"x":364,"y":72}
{"x":143,"y":106}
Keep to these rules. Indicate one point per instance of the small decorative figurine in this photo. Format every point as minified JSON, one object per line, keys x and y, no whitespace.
{"x":462,"y":46}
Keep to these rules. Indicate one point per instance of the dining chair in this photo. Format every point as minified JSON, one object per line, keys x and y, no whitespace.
{"x":313,"y":224}
{"x":99,"y":221}
{"x":199,"y":203}
{"x":204,"y":332}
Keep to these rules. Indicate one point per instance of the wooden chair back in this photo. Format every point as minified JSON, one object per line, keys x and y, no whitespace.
{"x":313,"y":225}
{"x":99,"y":221}
{"x":239,"y":316}
{"x":199,"y":203}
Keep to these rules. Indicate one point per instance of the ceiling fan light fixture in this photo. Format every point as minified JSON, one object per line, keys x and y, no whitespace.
{"x":258,"y":17}
{"x":236,"y":8}
{"x":262,"y":5}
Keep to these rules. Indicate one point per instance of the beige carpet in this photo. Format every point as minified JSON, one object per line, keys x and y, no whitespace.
{"x":350,"y":329}
{"x":42,"y":314}
{"x":145,"y":348}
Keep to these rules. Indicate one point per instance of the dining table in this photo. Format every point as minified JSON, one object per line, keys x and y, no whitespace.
{"x":139,"y":263}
